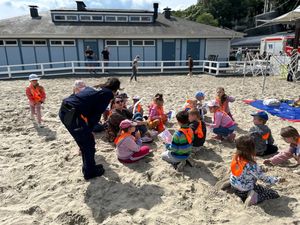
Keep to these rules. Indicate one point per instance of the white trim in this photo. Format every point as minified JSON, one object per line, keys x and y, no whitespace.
{"x":63,"y":42}
{"x":90,"y":18}
{"x":5,"y":44}
{"x":55,"y":19}
{"x":117,"y":42}
{"x":2,"y":42}
{"x":143,"y":43}
{"x":93,"y":20}
{"x":122,"y":21}
{"x":102,"y":13}
{"x":33,"y":42}
{"x":40,"y":44}
{"x":72,"y":19}
{"x":140,"y":19}
{"x":111,"y":17}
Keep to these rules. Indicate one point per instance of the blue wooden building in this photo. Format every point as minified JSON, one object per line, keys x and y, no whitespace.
{"x":63,"y":35}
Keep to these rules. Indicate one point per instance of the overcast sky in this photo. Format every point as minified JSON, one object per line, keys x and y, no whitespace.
{"x":9,"y":8}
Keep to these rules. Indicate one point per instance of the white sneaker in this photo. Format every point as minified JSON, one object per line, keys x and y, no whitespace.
{"x":251,"y":199}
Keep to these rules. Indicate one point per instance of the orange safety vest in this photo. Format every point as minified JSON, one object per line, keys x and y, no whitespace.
{"x":36,"y":92}
{"x":188,"y":132}
{"x":199,"y":130}
{"x":139,"y":108}
{"x":237,"y":165}
{"x":222,"y":106}
{"x":121,"y":137}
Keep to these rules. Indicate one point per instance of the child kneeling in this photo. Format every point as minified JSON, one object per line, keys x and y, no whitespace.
{"x":245,"y":172}
{"x":181,"y":147}
{"x":129,"y":148}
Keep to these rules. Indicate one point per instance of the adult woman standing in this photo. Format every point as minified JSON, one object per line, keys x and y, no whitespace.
{"x":80,"y":113}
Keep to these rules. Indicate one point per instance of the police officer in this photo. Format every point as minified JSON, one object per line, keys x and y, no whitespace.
{"x":80,"y":113}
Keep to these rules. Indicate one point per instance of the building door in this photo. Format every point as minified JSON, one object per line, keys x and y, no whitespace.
{"x":94,"y":46}
{"x":193,"y":49}
{"x":168,"y":51}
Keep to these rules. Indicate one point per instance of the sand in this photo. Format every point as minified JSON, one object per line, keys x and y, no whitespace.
{"x":41,"y":180}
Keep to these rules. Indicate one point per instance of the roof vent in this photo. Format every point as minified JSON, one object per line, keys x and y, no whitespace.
{"x":80,"y":6}
{"x":155,"y":13}
{"x":34,"y":12}
{"x":167,"y":13}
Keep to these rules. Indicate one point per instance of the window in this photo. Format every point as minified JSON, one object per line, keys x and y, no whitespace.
{"x":110,"y":18}
{"x":55,"y":42}
{"x":149,"y":43}
{"x":134,"y":18}
{"x":59,"y":17}
{"x":72,"y":18}
{"x":27,"y":42}
{"x":97,"y":18}
{"x":122,"y":18}
{"x":137,"y":43}
{"x":1,"y":42}
{"x":270,"y":46}
{"x":143,"y":43}
{"x":40,"y":42}
{"x":69,"y":42}
{"x":123,"y":43}
{"x":85,"y":18}
{"x":11,"y":42}
{"x":111,"y":43}
{"x":146,"y":19}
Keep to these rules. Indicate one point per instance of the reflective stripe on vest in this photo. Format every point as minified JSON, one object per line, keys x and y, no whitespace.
{"x":265,"y":137}
{"x":199,"y":131}
{"x":121,"y":137}
{"x":188,"y":132}
{"x":36,"y":93}
{"x":237,"y":165}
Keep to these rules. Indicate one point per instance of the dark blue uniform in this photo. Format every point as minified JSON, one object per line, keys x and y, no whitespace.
{"x":89,"y":103}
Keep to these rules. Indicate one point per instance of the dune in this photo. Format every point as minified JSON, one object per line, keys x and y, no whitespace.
{"x":41,"y":180}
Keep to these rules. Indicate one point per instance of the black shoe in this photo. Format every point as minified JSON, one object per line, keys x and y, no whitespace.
{"x":99,"y":171}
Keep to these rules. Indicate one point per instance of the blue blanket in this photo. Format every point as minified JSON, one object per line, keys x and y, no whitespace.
{"x":284,"y":111}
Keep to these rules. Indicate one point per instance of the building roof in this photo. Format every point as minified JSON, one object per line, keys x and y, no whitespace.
{"x":26,"y":27}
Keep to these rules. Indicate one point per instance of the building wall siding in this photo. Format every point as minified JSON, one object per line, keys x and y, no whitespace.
{"x":220,"y":47}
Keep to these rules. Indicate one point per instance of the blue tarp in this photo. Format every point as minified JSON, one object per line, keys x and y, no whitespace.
{"x":284,"y":111}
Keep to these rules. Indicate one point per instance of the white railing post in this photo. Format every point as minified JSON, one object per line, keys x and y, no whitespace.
{"x":73,"y":67}
{"x":217,"y":70}
{"x":161,"y":66}
{"x":209,"y":65}
{"x":42,"y":69}
{"x":9,"y":72}
{"x":102,"y":66}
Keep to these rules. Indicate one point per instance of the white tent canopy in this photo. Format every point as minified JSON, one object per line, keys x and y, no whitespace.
{"x":289,"y":17}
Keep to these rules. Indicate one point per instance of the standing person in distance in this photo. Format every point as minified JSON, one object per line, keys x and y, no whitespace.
{"x":134,"y":68}
{"x":105,"y":56}
{"x":190,"y":65}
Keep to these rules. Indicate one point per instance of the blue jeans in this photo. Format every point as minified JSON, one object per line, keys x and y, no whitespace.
{"x":223,"y":131}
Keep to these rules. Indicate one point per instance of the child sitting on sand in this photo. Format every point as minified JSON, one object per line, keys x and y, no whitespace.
{"x":262,"y":135}
{"x":157,"y":117}
{"x":129,"y":148}
{"x":224,"y":100}
{"x":198,"y":127}
{"x":138,"y":108}
{"x":190,"y":104}
{"x":36,"y":96}
{"x":200,"y":106}
{"x":223,"y":125}
{"x":181,"y":147}
{"x":245,"y":172}
{"x":290,"y":135}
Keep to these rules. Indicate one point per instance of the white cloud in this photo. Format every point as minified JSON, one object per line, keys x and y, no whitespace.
{"x":10,"y":8}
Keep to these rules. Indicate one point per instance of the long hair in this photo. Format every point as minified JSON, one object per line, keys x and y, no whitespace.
{"x":245,"y":148}
{"x":111,"y":83}
{"x":223,"y":98}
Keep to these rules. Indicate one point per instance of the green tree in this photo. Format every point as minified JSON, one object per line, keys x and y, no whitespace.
{"x":207,"y":18}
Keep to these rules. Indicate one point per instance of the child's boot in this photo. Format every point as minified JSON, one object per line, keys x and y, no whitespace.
{"x":251,"y":199}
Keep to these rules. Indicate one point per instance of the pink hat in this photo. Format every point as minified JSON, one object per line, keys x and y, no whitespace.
{"x":127,"y":123}
{"x":213,"y":103}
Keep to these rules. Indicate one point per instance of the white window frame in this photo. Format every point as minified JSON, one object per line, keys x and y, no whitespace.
{"x":40,"y":44}
{"x":55,"y":19}
{"x":134,"y":21}
{"x":66,"y":17}
{"x":97,"y":20}
{"x":59,"y":45}
{"x":80,"y":18}
{"x":3,"y":42}
{"x":74,"y":43}
{"x":117,"y":43}
{"x":122,"y":21}
{"x":22,"y":44}
{"x":10,"y":44}
{"x":33,"y":42}
{"x":143,"y":43}
{"x":111,"y":21}
{"x":148,"y":21}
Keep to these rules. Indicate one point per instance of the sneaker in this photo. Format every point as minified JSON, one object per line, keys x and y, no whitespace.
{"x":99,"y":171}
{"x":218,"y":138}
{"x":231,"y":137}
{"x":251,"y":199}
{"x":181,"y":165}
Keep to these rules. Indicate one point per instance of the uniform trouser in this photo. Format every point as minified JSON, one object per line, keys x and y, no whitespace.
{"x":133,"y":75}
{"x":83,"y":137}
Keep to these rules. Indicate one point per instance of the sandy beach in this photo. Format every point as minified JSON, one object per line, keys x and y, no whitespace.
{"x":41,"y":180}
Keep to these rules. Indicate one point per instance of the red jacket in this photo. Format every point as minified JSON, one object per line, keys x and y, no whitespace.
{"x":35,"y":94}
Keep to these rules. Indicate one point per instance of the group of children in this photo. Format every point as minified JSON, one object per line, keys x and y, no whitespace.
{"x":191,"y":135}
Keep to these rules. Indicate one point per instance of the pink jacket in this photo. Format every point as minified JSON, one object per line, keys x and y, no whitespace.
{"x":221,"y":119}
{"x":127,"y":147}
{"x":284,"y":156}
